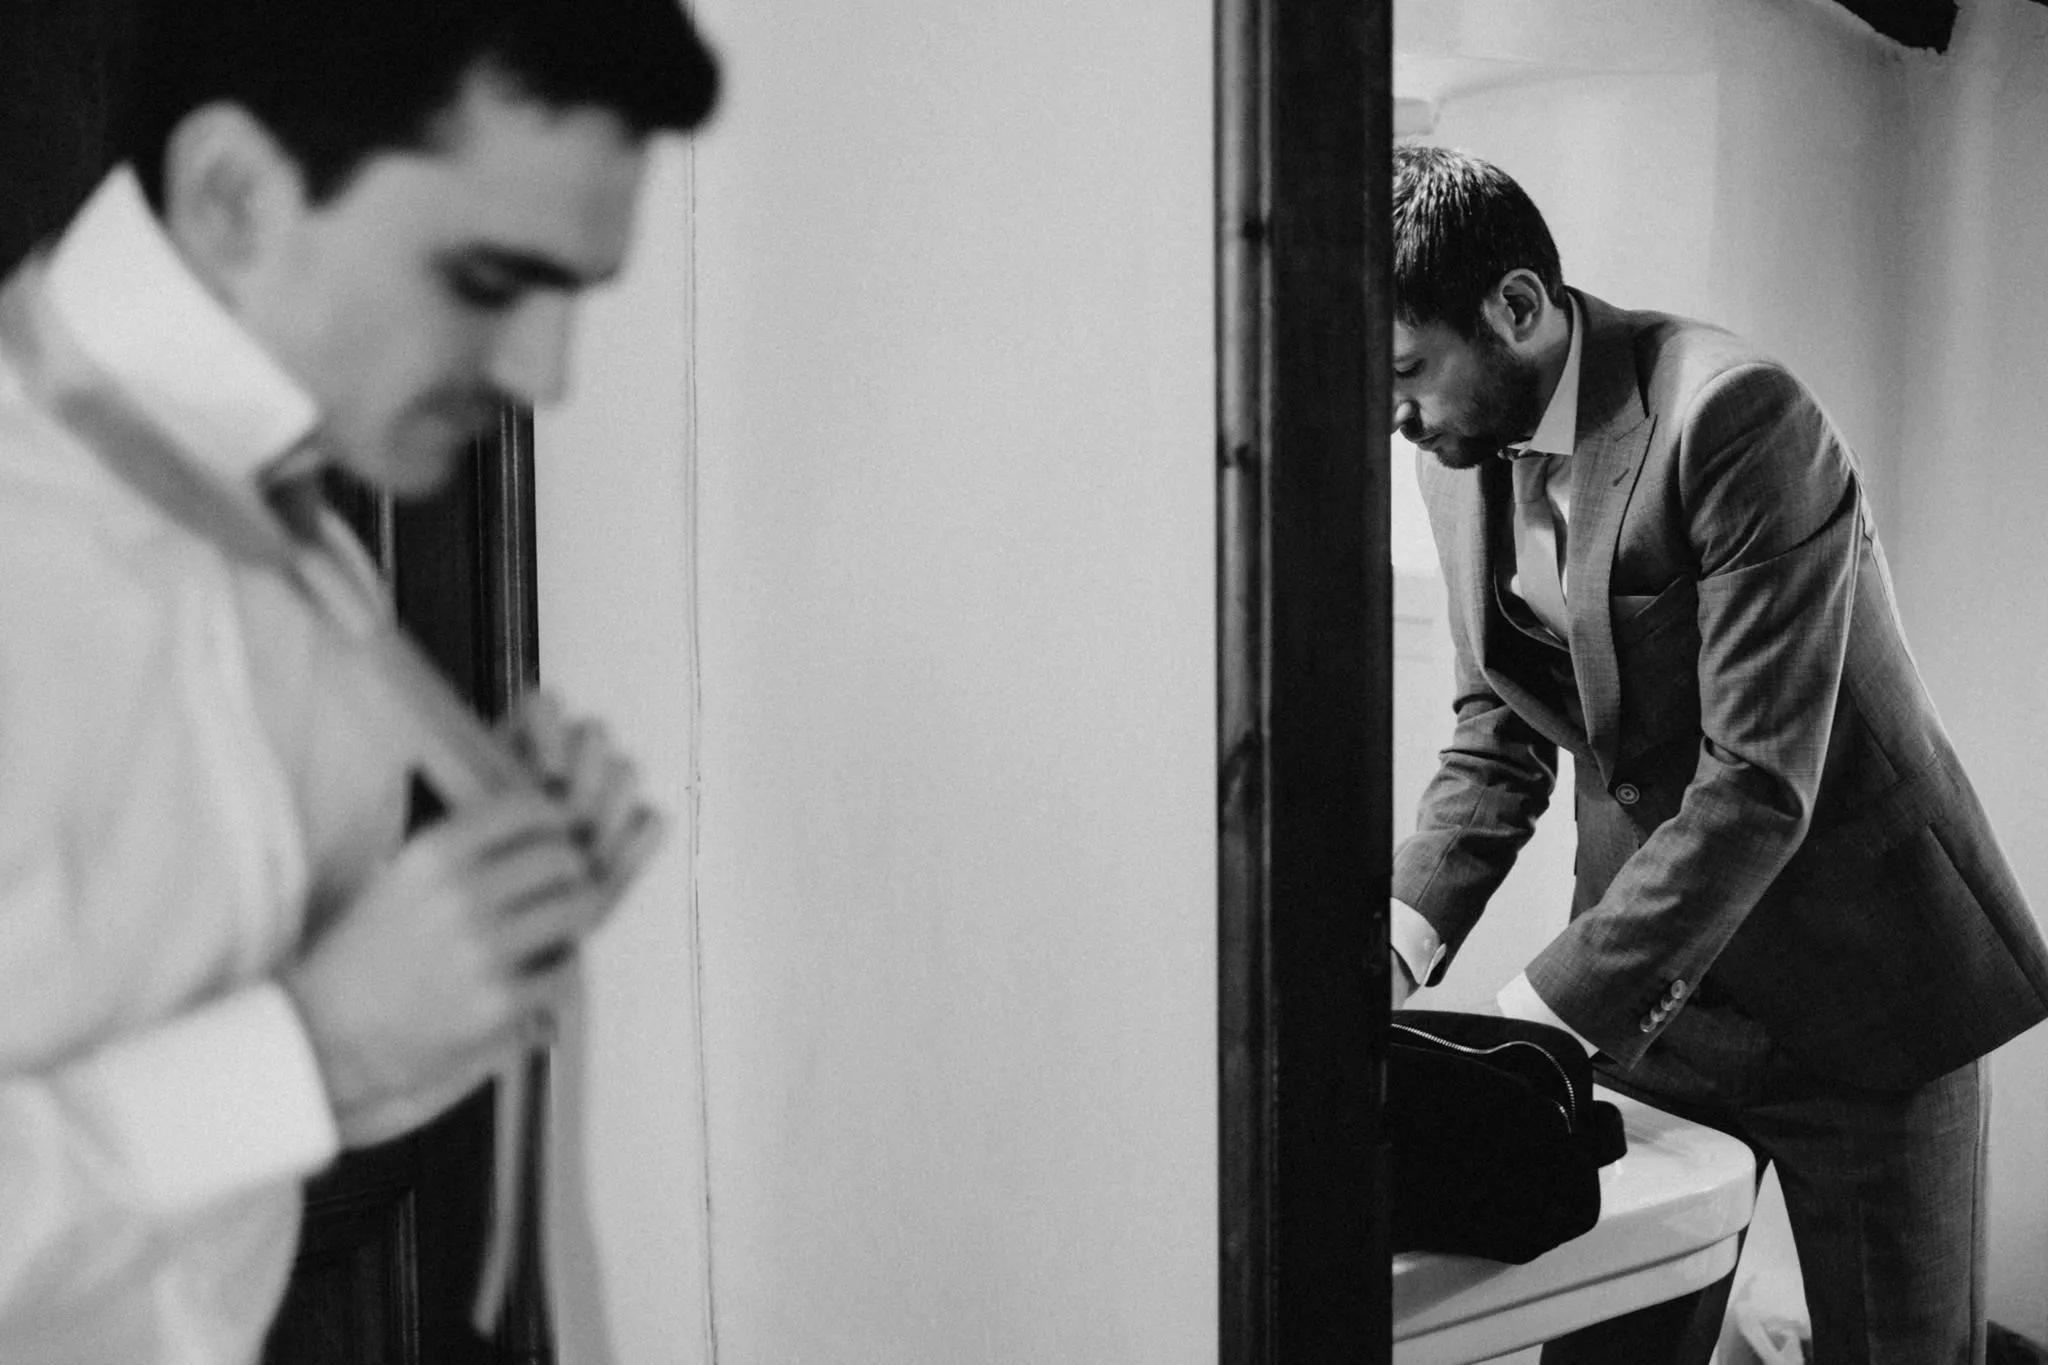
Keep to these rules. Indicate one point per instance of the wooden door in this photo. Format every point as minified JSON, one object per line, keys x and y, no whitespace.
{"x":393,"y":1235}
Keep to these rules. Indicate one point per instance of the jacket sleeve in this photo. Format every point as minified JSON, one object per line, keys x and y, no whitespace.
{"x":1773,"y":517}
{"x":1492,"y":782}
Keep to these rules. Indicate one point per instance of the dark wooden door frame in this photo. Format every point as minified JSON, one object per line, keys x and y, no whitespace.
{"x":490,"y":585}
{"x":1305,"y":610}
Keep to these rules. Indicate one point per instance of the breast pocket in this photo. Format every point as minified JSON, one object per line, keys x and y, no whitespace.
{"x":1637,"y":617}
{"x":1656,"y":654}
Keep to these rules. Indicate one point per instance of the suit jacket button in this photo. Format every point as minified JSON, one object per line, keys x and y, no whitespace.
{"x":1627,"y":794}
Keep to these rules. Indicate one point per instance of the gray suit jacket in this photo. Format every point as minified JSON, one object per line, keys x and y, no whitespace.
{"x":1765,"y":792}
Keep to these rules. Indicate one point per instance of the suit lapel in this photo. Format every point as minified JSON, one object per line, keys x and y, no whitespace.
{"x":1479,"y":502}
{"x":1614,"y":432}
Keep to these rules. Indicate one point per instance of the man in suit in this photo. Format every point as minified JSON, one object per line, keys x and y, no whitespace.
{"x":1791,"y":920}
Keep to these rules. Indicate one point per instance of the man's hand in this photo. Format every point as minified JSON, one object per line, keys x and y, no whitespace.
{"x":425,"y":978}
{"x":1400,"y":985}
{"x":576,"y":761}
{"x":459,"y":952}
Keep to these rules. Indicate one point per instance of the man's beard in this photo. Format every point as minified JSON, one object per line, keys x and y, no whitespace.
{"x":1506,"y":405}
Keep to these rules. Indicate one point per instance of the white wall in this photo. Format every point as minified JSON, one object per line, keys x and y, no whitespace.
{"x":955,"y":528}
{"x":884,"y":510}
{"x":613,"y":488}
{"x":1876,"y":218}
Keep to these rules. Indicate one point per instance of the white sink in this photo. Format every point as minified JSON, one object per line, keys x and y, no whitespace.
{"x":1671,"y":1218}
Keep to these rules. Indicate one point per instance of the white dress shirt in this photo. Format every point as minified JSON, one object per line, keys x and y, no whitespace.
{"x":176,"y":796}
{"x":1420,"y":948}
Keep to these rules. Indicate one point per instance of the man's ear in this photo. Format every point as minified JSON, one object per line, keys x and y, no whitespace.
{"x":230,"y":191}
{"x":1517,"y":305}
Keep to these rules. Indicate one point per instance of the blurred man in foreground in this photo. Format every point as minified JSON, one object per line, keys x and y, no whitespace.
{"x":342,"y":234}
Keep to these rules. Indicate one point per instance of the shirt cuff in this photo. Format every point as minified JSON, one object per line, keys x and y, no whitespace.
{"x":1518,"y":1000}
{"x":1418,"y":945}
{"x":210,"y":1105}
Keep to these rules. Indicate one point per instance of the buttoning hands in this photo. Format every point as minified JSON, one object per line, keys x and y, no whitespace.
{"x":576,"y":762}
{"x":460,"y":950}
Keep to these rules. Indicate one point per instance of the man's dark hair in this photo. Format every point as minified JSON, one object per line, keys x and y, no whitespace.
{"x":1460,"y":224}
{"x":336,"y":81}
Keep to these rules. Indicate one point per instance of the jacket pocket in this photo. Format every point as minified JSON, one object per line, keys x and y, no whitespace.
{"x":1637,"y":617}
{"x":1657,"y":659}
{"x":1872,"y":957}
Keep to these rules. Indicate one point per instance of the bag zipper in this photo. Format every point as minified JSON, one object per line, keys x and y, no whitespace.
{"x":1569,"y":1110}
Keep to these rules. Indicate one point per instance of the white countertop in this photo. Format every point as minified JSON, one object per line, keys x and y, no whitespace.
{"x":1671,"y":1216}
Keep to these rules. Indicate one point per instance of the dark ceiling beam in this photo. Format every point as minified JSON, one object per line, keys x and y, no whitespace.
{"x":1913,"y":23}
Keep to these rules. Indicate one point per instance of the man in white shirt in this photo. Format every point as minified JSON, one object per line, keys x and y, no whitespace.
{"x":341,"y":234}
{"x":1790,"y":917}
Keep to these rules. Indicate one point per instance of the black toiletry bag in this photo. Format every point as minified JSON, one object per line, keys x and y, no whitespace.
{"x":1497,"y":1141}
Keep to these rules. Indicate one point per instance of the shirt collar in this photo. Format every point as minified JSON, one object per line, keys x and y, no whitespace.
{"x":129,"y":302}
{"x":1559,"y":429}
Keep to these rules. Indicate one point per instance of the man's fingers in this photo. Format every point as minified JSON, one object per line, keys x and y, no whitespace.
{"x":541,"y":930}
{"x":587,"y":757}
{"x":536,"y":935}
{"x":535,"y":727}
{"x":617,"y":814}
{"x":555,"y":748}
{"x":604,"y":787}
{"x":489,"y":830}
{"x":579,"y":764}
{"x":639,"y":837}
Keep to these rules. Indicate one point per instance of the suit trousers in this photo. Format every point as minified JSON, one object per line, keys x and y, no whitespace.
{"x":1884,"y":1190}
